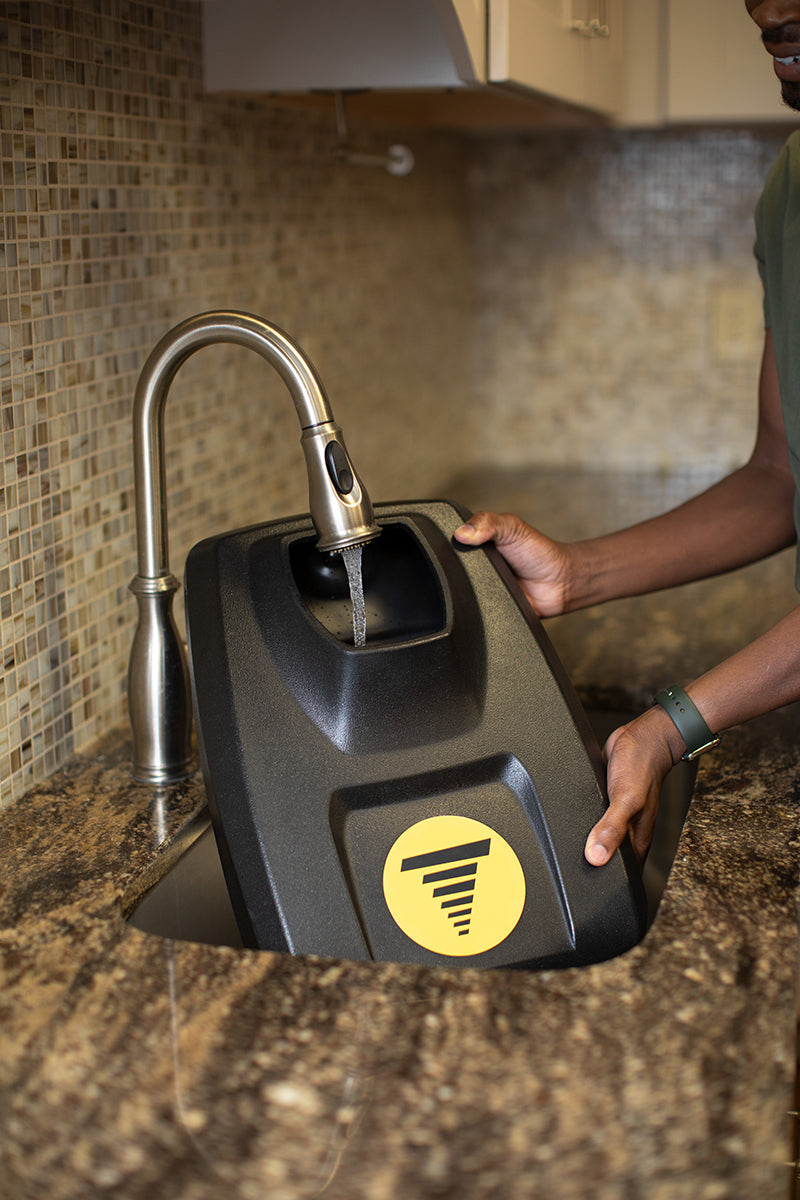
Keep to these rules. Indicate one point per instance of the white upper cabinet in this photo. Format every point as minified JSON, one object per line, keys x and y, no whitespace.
{"x":568,"y":49}
{"x":694,"y":61}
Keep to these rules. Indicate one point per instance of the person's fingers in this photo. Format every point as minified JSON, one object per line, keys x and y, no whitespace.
{"x":638,"y":758}
{"x":539,"y":563}
{"x":641,"y":829}
{"x":488,"y":526}
{"x":607,"y":835}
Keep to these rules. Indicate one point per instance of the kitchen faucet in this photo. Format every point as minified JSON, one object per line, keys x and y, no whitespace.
{"x":158,"y":677}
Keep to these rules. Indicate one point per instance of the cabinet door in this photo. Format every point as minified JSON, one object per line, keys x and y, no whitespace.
{"x":718,"y":69}
{"x":569,"y":49}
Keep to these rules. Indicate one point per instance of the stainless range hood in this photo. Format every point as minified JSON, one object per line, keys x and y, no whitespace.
{"x":450,"y":64}
{"x":343,"y":45}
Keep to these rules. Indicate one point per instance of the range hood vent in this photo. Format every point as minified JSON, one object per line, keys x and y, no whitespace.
{"x":290,"y":46}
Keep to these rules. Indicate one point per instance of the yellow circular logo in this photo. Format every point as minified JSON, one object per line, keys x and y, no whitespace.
{"x":454,"y":885}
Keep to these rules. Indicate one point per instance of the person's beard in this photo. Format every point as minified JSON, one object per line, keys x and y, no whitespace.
{"x":790,"y":91}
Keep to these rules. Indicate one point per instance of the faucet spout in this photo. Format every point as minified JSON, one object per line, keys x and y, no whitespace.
{"x":158,"y":677}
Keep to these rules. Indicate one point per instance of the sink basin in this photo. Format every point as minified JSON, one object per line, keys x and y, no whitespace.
{"x":188,"y":899}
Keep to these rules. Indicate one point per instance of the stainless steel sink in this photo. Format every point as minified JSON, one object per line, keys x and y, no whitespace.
{"x":188,"y":899}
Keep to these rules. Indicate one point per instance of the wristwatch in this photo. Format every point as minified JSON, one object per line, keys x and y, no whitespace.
{"x":688,"y":722}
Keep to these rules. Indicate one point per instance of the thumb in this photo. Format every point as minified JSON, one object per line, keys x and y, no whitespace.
{"x":480,"y":528}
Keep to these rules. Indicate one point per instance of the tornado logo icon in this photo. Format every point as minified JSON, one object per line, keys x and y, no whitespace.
{"x":454,"y":885}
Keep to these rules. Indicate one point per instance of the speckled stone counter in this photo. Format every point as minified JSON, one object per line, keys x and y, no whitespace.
{"x":131,"y":1066}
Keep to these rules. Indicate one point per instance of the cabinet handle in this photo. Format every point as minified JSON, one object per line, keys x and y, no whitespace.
{"x":600,"y":24}
{"x":596,"y":25}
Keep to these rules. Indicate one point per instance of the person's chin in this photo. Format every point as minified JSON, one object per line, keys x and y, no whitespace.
{"x":790,"y":91}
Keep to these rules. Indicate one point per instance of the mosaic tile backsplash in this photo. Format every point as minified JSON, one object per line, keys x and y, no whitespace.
{"x":619,"y":306}
{"x":516,"y":301}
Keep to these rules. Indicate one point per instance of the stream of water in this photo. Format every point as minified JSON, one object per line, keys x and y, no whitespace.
{"x":352,"y":561}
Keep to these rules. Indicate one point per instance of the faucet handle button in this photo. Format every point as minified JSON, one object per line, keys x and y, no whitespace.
{"x":339,"y":468}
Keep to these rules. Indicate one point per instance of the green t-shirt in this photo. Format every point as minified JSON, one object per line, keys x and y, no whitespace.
{"x":777,"y":250}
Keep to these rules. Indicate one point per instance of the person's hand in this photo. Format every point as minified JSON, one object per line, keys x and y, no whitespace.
{"x":639,"y":755}
{"x":541,"y":565}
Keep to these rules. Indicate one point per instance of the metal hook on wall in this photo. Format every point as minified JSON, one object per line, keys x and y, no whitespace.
{"x":398,"y":159}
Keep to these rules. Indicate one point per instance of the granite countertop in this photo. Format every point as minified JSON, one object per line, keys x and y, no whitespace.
{"x":133,"y":1066}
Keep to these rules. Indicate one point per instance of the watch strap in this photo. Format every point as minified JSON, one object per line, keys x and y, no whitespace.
{"x":687,"y":720}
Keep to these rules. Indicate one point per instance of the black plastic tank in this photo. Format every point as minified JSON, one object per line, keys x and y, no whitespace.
{"x":424,"y":797}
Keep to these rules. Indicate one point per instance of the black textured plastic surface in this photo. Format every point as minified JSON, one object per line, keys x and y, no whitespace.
{"x":318,"y":755}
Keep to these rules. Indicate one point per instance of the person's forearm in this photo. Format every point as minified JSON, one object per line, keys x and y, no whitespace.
{"x":763,"y":676}
{"x":743,"y":518}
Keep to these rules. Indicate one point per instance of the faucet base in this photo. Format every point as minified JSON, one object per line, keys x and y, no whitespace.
{"x":158,"y":686}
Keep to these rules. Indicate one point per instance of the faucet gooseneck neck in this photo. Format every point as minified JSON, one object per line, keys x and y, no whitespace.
{"x":158,"y":678}
{"x":350,"y":514}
